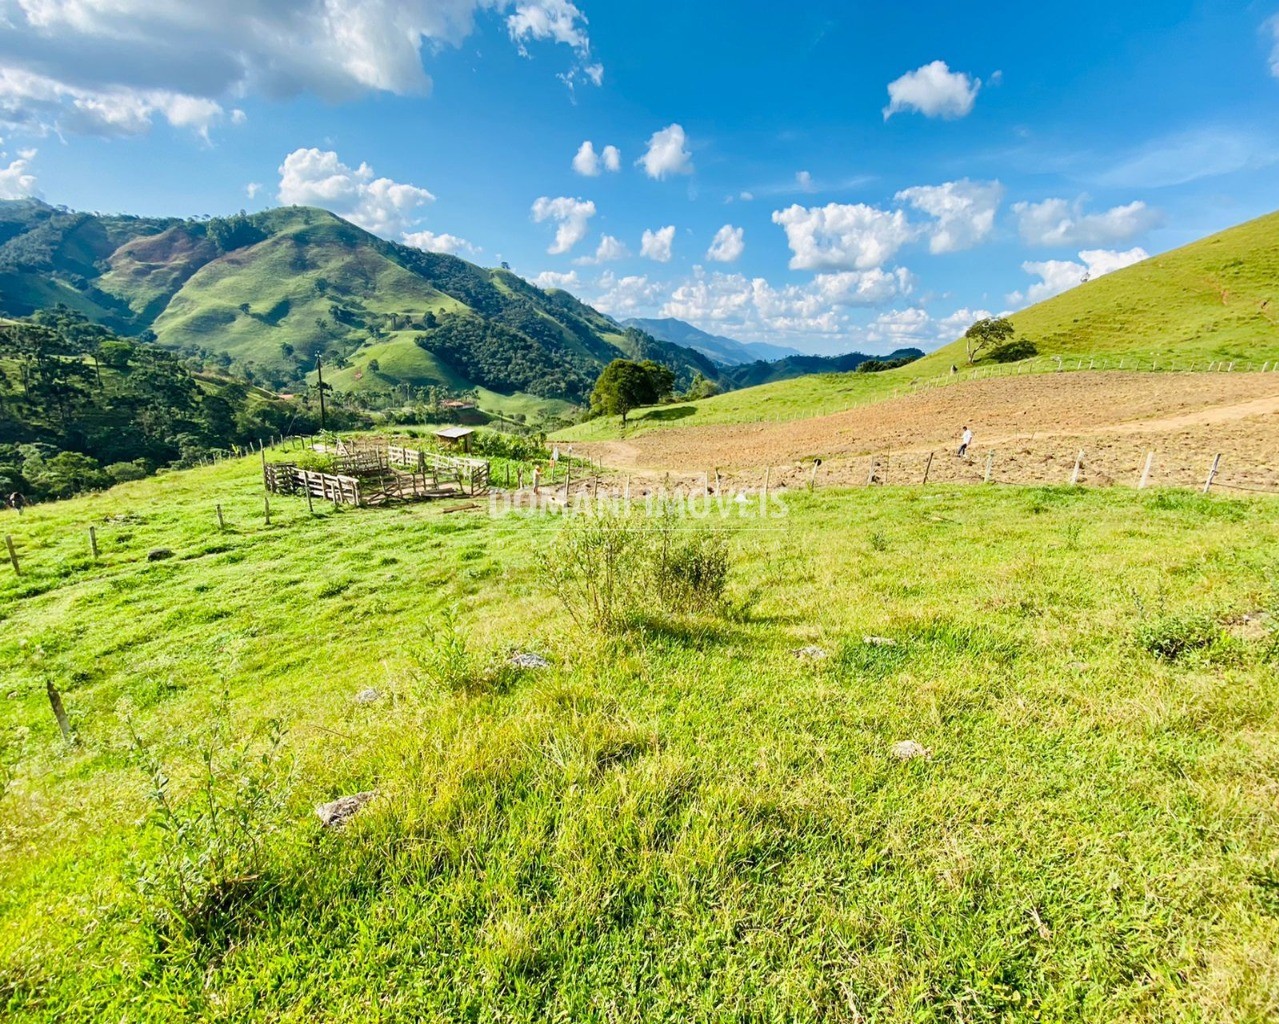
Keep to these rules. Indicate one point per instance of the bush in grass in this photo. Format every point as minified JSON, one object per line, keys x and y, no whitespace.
{"x":689,"y":573}
{"x":1171,"y":637}
{"x":607,"y":569}
{"x":211,"y":843}
{"x":596,"y":568}
{"x":447,"y":662}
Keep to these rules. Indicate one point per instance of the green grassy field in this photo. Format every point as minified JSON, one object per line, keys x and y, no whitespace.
{"x":1214,"y":300}
{"x":681,"y":822}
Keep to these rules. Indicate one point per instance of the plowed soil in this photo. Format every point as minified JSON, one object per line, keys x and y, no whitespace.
{"x":1035,"y":426}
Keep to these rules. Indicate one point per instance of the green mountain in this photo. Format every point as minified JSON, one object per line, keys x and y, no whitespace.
{"x":267,"y":294}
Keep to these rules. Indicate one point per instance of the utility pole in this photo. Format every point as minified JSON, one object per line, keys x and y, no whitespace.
{"x":319,"y":372}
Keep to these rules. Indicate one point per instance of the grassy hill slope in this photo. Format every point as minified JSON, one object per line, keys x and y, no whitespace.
{"x":1214,"y":300}
{"x":273,"y":291}
{"x":661,"y":824}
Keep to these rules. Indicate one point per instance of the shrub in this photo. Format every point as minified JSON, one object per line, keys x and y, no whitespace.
{"x":121,"y":472}
{"x":211,"y":847}
{"x":1014,"y":351}
{"x":1170,"y":637}
{"x":607,"y":568}
{"x":689,"y":573}
{"x":447,"y":662}
{"x":596,"y":569}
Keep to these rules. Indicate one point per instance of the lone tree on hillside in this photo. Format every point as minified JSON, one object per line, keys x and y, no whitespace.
{"x":625,"y":385}
{"x":989,"y":333}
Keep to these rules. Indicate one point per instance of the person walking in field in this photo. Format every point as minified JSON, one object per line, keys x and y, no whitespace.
{"x":964,"y":442}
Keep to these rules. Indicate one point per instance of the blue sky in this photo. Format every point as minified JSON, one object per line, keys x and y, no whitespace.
{"x":825,"y":175}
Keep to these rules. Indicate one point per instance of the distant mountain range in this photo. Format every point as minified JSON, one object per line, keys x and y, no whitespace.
{"x":745,"y":364}
{"x":725,"y":351}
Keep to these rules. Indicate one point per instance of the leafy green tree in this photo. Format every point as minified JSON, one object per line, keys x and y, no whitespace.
{"x":64,"y":474}
{"x":702,"y":387}
{"x":625,"y":385}
{"x":989,"y":333}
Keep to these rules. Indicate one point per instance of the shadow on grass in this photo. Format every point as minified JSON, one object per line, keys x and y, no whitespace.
{"x":666,"y":414}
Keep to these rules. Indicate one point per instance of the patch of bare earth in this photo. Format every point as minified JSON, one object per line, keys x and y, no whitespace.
{"x":1036,"y":426}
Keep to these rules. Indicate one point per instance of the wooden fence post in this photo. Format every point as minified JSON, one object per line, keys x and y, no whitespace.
{"x":310,"y":507}
{"x":870,"y":478}
{"x":768,"y":472}
{"x":221,"y":522}
{"x":990,"y":462}
{"x":93,"y":542}
{"x":812,"y":479}
{"x":266,"y":507}
{"x":1212,"y":473}
{"x":1145,"y":473}
{"x":59,"y":712}
{"x":1079,"y":464}
{"x":13,"y":554}
{"x":927,"y":466}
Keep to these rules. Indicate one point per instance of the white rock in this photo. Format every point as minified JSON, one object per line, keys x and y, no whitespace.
{"x":812,"y":652}
{"x":908,"y":750}
{"x":338,"y":812}
{"x":526,"y":659}
{"x":879,"y":641}
{"x":369,"y":696}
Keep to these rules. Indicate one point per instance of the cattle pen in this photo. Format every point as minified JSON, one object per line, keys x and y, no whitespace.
{"x":373,"y":471}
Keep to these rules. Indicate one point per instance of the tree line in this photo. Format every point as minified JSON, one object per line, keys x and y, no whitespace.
{"x":81,"y":408}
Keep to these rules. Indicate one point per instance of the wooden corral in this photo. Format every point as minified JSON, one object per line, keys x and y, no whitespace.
{"x":373,"y":471}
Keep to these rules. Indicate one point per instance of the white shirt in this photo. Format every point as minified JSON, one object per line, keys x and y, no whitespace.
{"x":968,"y":437}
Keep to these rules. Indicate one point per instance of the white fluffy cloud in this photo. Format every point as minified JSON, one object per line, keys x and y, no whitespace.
{"x":934,"y":91}
{"x":1273,"y":26}
{"x":609,"y":250}
{"x":313,"y":177}
{"x":429,"y":241}
{"x":252,"y":189}
{"x":964,"y":211}
{"x":1057,"y":276}
{"x":656,"y":245}
{"x":16,"y":179}
{"x":589,"y":163}
{"x":549,"y":279}
{"x":1061,"y":222}
{"x":572,"y":217}
{"x":842,"y":236}
{"x":113,"y":66}
{"x":752,"y":307}
{"x":728,"y":245}
{"x":667,"y":153}
{"x":627,"y":296}
{"x":915,"y":328}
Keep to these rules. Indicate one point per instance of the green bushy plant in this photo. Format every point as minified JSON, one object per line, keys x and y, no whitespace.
{"x":609,"y":568}
{"x":1173,"y":636}
{"x":211,"y":843}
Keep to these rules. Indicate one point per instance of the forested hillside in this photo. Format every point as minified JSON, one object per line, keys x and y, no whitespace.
{"x":81,"y":408}
{"x":264,"y":296}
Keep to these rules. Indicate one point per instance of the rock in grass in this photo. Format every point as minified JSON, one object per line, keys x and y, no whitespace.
{"x":159,"y":554}
{"x":369,"y":696}
{"x":879,"y":641}
{"x":526,"y":659}
{"x":908,"y":750}
{"x":338,"y":812}
{"x":812,"y":653}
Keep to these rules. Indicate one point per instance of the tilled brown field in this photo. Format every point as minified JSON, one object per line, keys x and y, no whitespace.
{"x":1035,"y":426}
